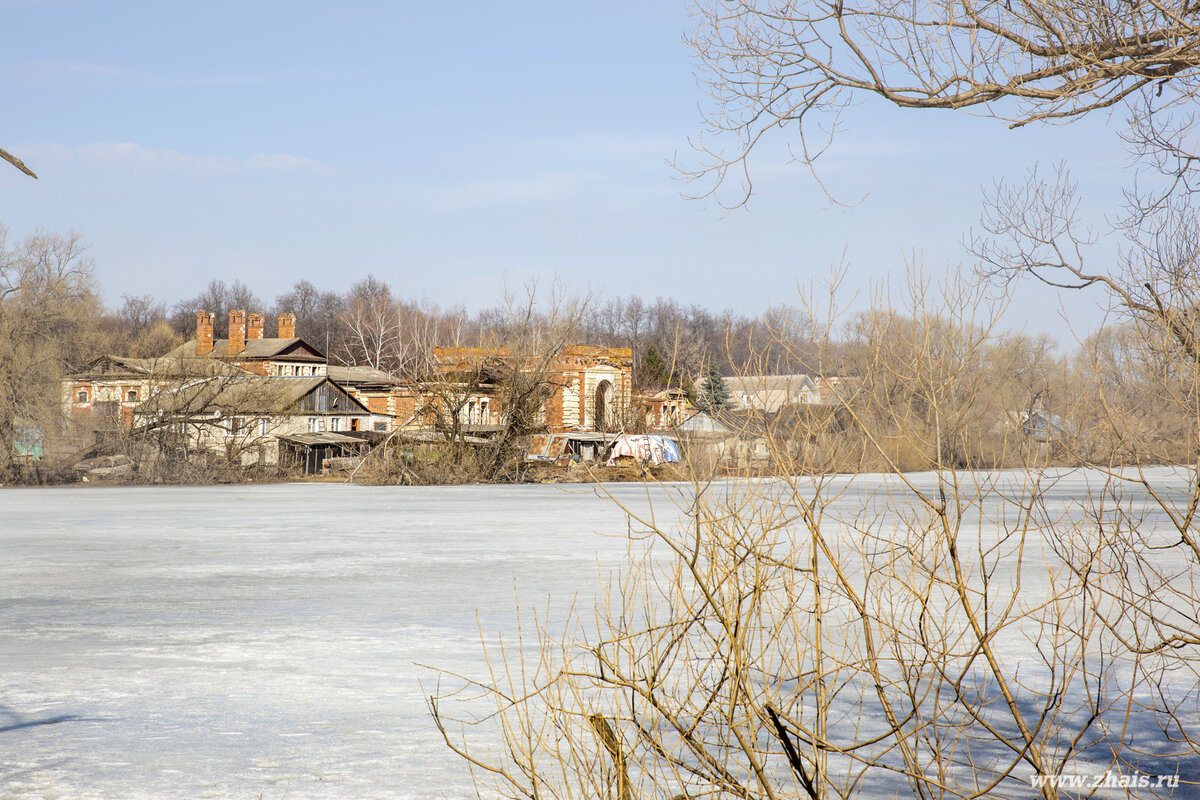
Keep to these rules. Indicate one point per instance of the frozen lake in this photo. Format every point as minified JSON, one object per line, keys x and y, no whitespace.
{"x":265,"y":640}
{"x":227,"y":642}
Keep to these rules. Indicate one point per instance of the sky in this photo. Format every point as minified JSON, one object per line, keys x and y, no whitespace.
{"x":449,"y":148}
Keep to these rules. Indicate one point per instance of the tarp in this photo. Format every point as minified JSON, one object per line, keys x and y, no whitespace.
{"x":646,"y":449}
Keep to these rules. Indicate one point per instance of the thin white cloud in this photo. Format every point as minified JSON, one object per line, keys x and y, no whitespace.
{"x":129,"y":156}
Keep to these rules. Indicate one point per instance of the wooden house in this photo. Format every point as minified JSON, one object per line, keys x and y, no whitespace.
{"x":258,"y":420}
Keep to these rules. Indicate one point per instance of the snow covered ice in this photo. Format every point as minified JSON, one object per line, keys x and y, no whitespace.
{"x":268,"y":640}
{"x":227,"y":642}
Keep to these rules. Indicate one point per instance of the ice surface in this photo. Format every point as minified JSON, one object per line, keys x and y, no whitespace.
{"x":265,"y":640}
{"x":232,"y":642}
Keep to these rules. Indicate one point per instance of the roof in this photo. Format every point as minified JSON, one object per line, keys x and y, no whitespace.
{"x":360,"y":375}
{"x":703,"y":423}
{"x":727,"y":422}
{"x":167,"y":366}
{"x":583,"y":436}
{"x":597,"y":351}
{"x":771,"y":392}
{"x":255,"y":348}
{"x":665,"y":393}
{"x":242,"y":395}
{"x":327,"y":437}
{"x":429,"y":436}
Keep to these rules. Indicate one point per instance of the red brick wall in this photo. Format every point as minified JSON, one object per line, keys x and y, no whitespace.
{"x":237,"y":332}
{"x":204,"y":333}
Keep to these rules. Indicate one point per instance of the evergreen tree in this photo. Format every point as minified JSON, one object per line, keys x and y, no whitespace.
{"x":655,"y":370}
{"x":713,"y":391}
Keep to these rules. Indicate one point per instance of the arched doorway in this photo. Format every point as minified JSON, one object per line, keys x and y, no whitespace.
{"x":604,"y":405}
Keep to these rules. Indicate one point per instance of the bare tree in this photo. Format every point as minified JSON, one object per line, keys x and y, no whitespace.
{"x":16,"y":162}
{"x":947,"y":633}
{"x":371,"y":321}
{"x":47,"y":300}
{"x":218,"y":298}
{"x":141,"y":312}
{"x":318,"y":314}
{"x":770,"y":65}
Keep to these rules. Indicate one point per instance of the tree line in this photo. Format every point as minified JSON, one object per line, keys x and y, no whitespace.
{"x":917,"y":376}
{"x":371,"y":324}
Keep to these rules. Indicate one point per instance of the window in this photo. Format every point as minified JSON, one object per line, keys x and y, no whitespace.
{"x":354,"y":424}
{"x":483,"y":412}
{"x":131,"y":396}
{"x":312,"y":424}
{"x":381,"y":426}
{"x":335,"y":423}
{"x":236,"y":426}
{"x":82,"y":397}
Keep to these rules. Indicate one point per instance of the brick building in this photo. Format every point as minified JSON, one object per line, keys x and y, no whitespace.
{"x":285,"y":355}
{"x":586,"y":389}
{"x":594,"y":389}
{"x":103,"y":395}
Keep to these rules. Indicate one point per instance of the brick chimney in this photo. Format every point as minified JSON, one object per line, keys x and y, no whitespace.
{"x":254,"y":328}
{"x":237,"y":332}
{"x":287,"y":326}
{"x":204,"y":333}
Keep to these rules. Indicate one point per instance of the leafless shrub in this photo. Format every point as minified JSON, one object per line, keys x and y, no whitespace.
{"x":949,"y":633}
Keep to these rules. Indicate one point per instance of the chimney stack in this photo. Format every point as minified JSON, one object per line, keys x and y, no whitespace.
{"x":204,"y":333}
{"x":287,"y":326}
{"x":254,"y":328}
{"x":237,"y":332}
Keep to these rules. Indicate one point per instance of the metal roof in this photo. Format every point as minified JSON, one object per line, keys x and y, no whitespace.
{"x":242,"y":395}
{"x":350,"y":375}
{"x":255,"y":348}
{"x":326,"y":437}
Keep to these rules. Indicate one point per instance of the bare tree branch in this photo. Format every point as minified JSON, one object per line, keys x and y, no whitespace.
{"x":16,"y":162}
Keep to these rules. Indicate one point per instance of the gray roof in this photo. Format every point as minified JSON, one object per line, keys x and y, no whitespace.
{"x":359,"y":375}
{"x":326,"y":437}
{"x":770,"y":392}
{"x":167,"y":366}
{"x":752,"y":384}
{"x":728,"y":422}
{"x":703,"y":423}
{"x":248,"y":395}
{"x":429,"y":436}
{"x":255,"y":348}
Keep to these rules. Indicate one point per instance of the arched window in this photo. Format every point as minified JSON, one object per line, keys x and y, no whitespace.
{"x":82,"y":397}
{"x":131,"y":396}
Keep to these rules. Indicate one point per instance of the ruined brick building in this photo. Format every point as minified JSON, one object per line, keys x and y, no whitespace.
{"x":585,"y":389}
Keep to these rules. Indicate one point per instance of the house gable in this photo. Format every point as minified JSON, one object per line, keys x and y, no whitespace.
{"x":297,"y":350}
{"x":329,"y":398}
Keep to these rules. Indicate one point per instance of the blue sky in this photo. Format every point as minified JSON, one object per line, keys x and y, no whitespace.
{"x":445,"y":147}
